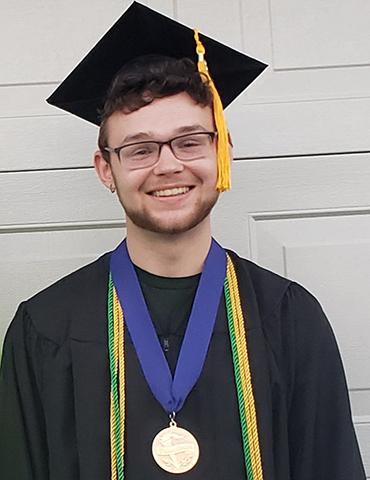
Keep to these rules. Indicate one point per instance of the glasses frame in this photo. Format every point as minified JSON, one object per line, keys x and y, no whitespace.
{"x":169,"y":142}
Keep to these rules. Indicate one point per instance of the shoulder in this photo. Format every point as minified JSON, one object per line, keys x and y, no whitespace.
{"x":75,"y":283}
{"x":295,"y":328}
{"x":270,"y":289}
{"x":53,"y":310}
{"x":282,"y":303}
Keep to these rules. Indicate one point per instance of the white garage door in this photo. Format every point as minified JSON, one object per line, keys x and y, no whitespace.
{"x":301,"y":198}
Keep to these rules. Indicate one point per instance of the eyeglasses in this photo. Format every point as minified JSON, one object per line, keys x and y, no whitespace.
{"x":187,"y":147}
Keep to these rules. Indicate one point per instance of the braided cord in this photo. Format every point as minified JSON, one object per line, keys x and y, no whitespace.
{"x":121,"y":359}
{"x":245,"y":382}
{"x":117,"y":408}
{"x":242,"y":360}
{"x":239,"y":387}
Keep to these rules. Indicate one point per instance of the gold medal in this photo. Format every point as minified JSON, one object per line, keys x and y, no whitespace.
{"x":175,"y":449}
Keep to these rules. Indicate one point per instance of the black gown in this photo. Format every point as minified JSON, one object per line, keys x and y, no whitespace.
{"x":54,"y":389}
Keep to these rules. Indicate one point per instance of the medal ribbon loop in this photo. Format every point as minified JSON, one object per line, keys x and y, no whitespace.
{"x":171,"y":392}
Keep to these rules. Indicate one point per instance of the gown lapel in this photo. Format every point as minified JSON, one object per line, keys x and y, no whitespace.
{"x":91,"y":386}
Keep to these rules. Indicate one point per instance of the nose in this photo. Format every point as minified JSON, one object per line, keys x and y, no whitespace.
{"x":167,"y":162}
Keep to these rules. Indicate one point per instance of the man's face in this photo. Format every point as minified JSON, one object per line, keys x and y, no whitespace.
{"x":171,"y":196}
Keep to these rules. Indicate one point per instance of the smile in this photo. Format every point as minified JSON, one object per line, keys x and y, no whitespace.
{"x":171,"y":192}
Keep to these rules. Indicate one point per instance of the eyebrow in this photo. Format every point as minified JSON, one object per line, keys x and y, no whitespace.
{"x":150,"y":135}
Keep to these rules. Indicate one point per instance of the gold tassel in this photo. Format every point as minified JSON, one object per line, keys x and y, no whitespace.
{"x":223,"y":157}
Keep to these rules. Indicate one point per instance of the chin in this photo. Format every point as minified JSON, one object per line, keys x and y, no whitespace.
{"x":166,"y":227}
{"x":173,"y":224}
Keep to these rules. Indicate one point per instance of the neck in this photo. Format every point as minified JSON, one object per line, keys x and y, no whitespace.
{"x":169,"y":255}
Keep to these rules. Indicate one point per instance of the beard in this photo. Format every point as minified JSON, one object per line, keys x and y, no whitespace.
{"x":174,"y":223}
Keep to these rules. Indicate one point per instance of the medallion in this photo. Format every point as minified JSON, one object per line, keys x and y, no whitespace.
{"x":175,"y":449}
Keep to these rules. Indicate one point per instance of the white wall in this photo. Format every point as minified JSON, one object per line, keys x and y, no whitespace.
{"x":300,"y":203}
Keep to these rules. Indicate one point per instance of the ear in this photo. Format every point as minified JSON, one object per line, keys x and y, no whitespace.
{"x":231,"y":145}
{"x":230,"y":139}
{"x":103,"y":170}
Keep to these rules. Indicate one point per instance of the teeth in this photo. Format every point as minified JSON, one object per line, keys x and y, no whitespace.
{"x":171,"y":192}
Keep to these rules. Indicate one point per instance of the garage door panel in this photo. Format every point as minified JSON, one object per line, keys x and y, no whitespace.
{"x":31,"y":260}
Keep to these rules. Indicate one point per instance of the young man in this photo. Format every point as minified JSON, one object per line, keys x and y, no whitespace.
{"x":170,"y":355}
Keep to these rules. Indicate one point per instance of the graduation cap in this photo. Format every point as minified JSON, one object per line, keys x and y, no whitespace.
{"x":142,"y":31}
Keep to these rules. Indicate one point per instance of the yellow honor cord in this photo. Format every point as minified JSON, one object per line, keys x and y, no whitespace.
{"x":245,"y":373}
{"x":223,"y":157}
{"x":117,"y":405}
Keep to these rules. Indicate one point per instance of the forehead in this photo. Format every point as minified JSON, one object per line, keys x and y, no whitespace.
{"x":160,"y":119}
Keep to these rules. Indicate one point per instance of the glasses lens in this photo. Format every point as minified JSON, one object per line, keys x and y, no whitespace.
{"x":192,"y":146}
{"x":139,"y":155}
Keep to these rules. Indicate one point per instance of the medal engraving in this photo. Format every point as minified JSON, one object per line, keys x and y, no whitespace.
{"x":175,"y":449}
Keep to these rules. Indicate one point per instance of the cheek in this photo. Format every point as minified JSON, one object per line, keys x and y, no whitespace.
{"x":207,"y":171}
{"x":210,"y":174}
{"x":130,"y":181}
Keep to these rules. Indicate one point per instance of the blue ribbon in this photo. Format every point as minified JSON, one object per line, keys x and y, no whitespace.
{"x":171,"y":392}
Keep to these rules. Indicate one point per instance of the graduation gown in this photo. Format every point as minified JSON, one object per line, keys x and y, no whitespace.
{"x":54,"y":389}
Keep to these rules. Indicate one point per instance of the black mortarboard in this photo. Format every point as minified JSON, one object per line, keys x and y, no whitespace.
{"x":141,"y":31}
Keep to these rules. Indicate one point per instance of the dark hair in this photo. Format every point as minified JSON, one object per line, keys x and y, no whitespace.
{"x":149,"y":77}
